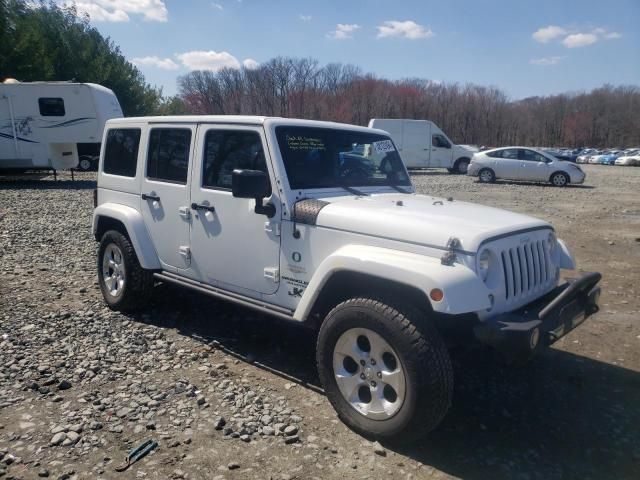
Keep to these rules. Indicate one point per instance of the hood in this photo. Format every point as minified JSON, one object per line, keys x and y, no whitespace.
{"x":421,"y":219}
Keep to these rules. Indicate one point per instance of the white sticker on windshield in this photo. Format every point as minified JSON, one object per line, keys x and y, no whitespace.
{"x":383,"y":146}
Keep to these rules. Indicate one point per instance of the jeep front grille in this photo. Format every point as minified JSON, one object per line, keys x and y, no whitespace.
{"x":526,"y":268}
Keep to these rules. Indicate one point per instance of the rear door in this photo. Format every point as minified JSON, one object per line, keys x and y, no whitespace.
{"x":507,"y":164}
{"x":415,"y":143}
{"x":165,"y":192}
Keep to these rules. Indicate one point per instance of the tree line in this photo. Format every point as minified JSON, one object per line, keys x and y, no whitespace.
{"x":472,"y":114}
{"x":47,"y":41}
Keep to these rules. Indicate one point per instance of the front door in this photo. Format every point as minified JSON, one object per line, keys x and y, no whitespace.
{"x":415,"y":144}
{"x":232,"y":247}
{"x":533,"y":166}
{"x":441,"y":151}
{"x":165,"y":193}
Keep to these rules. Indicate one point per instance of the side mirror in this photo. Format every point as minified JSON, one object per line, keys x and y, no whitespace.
{"x":253,"y":184}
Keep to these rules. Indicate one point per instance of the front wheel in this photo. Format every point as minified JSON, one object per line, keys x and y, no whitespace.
{"x":461,"y":166}
{"x":124,"y":283}
{"x":385,"y":369}
{"x":559,"y":179}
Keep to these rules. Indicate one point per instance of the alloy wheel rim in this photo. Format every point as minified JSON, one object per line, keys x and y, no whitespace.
{"x":113,"y":270}
{"x":486,"y":176}
{"x":559,"y":180}
{"x":369,"y":373}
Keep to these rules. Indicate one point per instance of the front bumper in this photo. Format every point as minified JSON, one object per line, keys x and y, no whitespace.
{"x":520,"y":333}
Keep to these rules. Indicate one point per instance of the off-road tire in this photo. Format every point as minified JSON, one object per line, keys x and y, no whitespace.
{"x":422,"y":354}
{"x":138,"y":284}
{"x":489,"y":176}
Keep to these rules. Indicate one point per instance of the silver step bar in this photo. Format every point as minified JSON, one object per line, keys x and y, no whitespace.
{"x":225,"y":295}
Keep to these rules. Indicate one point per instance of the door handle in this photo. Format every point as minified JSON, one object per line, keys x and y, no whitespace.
{"x":199,"y":206}
{"x":147,"y":196}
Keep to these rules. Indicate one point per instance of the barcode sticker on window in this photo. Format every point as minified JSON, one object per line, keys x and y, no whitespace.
{"x":383,"y":146}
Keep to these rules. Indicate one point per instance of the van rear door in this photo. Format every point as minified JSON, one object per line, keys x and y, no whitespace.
{"x":416,"y":143}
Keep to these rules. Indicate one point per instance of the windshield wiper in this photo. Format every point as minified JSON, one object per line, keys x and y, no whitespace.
{"x":353,"y":191}
{"x":398,"y":189}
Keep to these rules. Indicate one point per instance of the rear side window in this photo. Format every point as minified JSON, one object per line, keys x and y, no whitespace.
{"x":508,"y":153}
{"x":224,"y":151}
{"x":121,"y":151}
{"x":168,"y":157}
{"x":51,"y":107}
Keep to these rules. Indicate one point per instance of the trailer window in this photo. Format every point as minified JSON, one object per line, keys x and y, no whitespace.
{"x":168,"y":156}
{"x":121,"y":151}
{"x":51,"y":107}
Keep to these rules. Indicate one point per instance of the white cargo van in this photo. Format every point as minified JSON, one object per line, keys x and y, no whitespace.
{"x":423,"y":145}
{"x":52,"y":125}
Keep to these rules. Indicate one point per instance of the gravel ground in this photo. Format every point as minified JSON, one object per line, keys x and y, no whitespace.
{"x":231,"y":394}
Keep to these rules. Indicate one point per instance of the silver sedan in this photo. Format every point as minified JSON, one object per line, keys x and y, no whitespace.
{"x":523,"y":163}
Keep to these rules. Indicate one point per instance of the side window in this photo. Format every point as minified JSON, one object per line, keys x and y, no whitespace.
{"x":440,"y":141}
{"x":121,"y":151}
{"x":51,"y":107}
{"x":509,"y":153}
{"x":531,"y":156}
{"x":227,"y":150}
{"x":168,"y":155}
{"x":495,"y":154}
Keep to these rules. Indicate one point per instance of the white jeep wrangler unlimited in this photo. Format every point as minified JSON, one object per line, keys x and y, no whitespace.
{"x":318,"y":222}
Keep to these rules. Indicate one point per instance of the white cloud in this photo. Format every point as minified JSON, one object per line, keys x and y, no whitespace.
{"x":406,"y":29}
{"x":579,"y":40}
{"x":343,"y":31}
{"x":208,"y":60}
{"x":546,"y":34}
{"x":217,"y":5}
{"x":612,"y":35}
{"x":305,"y":18}
{"x":154,"y":61}
{"x":573,"y":38}
{"x":545,"y":61}
{"x":119,"y":10}
{"x":250,"y":64}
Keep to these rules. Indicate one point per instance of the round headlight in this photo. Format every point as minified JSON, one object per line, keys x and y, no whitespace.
{"x":484,"y":264}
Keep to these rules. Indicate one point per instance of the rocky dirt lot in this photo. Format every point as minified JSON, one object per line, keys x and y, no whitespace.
{"x":229,"y":394}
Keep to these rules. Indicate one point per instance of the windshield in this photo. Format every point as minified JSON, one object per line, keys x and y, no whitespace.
{"x":326,"y":157}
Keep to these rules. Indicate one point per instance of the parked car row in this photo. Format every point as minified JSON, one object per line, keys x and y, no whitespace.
{"x":628,"y":157}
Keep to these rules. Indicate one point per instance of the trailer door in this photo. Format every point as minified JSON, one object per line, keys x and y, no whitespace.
{"x":8,"y":142}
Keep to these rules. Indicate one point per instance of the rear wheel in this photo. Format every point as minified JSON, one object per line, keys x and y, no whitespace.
{"x":486,"y":175}
{"x":125,"y":285}
{"x":385,"y":369}
{"x":85,"y":164}
{"x":559,"y":179}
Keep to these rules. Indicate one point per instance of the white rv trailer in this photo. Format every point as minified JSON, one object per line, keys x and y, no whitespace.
{"x":43,"y":125}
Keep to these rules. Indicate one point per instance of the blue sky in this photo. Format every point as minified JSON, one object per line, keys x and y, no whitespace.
{"x":526,"y":47}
